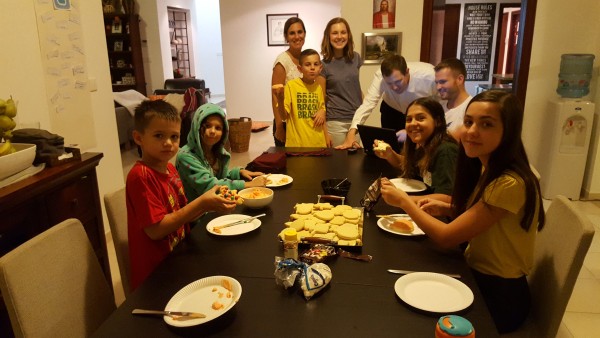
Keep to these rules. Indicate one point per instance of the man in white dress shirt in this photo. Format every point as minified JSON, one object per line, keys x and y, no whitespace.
{"x":398,"y":83}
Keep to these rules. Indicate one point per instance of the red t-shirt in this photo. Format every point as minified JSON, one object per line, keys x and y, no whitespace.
{"x":151,"y":195}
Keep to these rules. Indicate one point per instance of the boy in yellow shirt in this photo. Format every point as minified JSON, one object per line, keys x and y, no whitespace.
{"x":303,"y":97}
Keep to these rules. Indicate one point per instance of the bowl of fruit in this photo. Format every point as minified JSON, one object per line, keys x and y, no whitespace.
{"x":14,"y":157}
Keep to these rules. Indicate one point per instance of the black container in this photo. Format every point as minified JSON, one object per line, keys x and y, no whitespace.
{"x":331,"y":187}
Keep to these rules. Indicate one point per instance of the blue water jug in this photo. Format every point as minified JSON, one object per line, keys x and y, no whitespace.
{"x":575,"y":75}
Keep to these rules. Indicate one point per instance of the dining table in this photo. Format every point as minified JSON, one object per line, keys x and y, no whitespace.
{"x":360,"y":300}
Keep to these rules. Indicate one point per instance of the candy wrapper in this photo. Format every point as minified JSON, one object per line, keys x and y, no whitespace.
{"x":286,"y":271}
{"x":317,"y":253}
{"x":372,"y":195}
{"x":313,"y":278}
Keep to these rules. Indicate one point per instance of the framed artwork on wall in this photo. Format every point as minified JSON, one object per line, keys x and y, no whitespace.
{"x":275,"y":23}
{"x":384,"y":14}
{"x":376,"y":46}
{"x":118,"y":47}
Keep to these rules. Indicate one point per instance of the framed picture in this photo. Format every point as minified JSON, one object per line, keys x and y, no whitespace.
{"x":118,"y":47}
{"x":116,"y":27}
{"x":275,"y":23}
{"x":384,"y":14}
{"x":376,"y":46}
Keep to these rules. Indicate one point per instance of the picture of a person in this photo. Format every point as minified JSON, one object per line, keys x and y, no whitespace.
{"x":384,"y":18}
{"x":277,"y":32}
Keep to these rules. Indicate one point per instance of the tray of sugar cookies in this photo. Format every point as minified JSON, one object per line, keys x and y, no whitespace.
{"x":324,"y":223}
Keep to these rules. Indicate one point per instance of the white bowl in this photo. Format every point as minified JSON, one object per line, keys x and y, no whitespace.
{"x":20,"y":160}
{"x":257,"y":202}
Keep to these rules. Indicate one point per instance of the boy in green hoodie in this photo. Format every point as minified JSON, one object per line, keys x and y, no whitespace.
{"x":203,"y":162}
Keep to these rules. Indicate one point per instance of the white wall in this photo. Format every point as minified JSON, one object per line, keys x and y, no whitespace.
{"x":248,"y":61}
{"x":208,"y":47}
{"x":22,"y":67}
{"x":551,"y":39}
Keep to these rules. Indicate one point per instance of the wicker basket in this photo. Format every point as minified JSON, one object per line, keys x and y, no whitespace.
{"x":239,"y":134}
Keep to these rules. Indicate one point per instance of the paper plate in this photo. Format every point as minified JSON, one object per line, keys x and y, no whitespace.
{"x":409,"y":185}
{"x":384,"y":223}
{"x":200,"y":295}
{"x":278,"y":180}
{"x":433,"y":292}
{"x":232,"y":230}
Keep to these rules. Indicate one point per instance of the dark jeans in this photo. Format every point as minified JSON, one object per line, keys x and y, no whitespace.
{"x":391,"y":118}
{"x":508,"y":299}
{"x":277,"y":142}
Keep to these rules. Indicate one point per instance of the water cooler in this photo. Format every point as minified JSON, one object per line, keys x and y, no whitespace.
{"x":568,"y":132}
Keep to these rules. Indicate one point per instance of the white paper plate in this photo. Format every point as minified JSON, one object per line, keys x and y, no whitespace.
{"x":433,"y":292}
{"x":408,"y":185}
{"x":278,"y":180}
{"x":232,"y":230}
{"x":384,"y":224}
{"x":199,"y":296}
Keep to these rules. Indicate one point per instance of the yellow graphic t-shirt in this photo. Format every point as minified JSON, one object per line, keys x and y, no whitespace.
{"x":301,"y":103}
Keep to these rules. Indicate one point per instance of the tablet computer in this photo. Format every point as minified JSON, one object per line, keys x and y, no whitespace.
{"x":368,"y":135}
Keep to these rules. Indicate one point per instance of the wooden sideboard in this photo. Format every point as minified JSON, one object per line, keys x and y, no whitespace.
{"x":35,"y":204}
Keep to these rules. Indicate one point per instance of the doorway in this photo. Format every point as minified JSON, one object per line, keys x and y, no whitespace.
{"x":522,"y":49}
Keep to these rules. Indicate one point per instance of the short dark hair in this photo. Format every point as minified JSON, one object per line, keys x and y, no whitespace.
{"x":305,"y":53}
{"x":393,"y":62}
{"x":147,"y":110}
{"x":289,"y":22}
{"x":457,"y":66}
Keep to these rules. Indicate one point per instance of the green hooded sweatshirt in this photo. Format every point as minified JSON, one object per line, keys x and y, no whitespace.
{"x":195,"y":171}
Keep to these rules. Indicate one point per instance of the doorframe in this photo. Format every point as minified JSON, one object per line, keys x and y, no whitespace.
{"x":526,"y":25}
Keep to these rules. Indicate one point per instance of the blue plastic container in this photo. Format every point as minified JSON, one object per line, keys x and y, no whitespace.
{"x":575,"y":75}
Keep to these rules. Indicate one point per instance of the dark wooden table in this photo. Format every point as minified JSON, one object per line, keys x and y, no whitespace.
{"x":359,"y":302}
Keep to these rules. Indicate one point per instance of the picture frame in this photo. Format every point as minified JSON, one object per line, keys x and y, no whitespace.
{"x":118,"y":46}
{"x":376,"y":46}
{"x":117,"y":28}
{"x":275,"y":23}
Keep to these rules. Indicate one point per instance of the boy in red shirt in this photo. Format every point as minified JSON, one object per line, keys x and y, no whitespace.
{"x":158,"y":213}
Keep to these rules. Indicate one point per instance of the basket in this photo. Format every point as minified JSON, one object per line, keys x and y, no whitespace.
{"x":239,"y":134}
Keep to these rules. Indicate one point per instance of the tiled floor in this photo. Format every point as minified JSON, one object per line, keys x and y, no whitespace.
{"x":583,"y":312}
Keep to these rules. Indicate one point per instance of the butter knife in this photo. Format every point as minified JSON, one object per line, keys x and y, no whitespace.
{"x":242,"y":221}
{"x":406,"y":272}
{"x":168,"y":313}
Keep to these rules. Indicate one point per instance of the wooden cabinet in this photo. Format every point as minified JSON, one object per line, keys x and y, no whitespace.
{"x":35,"y":204}
{"x":124,"y":46}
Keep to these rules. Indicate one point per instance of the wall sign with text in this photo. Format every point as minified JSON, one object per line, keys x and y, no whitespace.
{"x":477,"y":39}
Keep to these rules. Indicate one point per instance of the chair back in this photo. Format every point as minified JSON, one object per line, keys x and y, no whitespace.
{"x":559,"y":253}
{"x":53,"y":285}
{"x":116,"y":210}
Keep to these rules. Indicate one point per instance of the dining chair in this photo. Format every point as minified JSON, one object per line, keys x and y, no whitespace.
{"x":116,"y":210}
{"x":53,"y":285}
{"x":559,"y":253}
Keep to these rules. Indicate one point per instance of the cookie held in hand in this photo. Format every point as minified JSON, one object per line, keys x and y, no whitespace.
{"x":232,"y":195}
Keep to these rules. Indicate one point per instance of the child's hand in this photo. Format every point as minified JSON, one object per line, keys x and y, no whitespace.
{"x":434,"y":207}
{"x":319,"y":117}
{"x":328,"y":140}
{"x":214,"y":202}
{"x":259,"y":181}
{"x":280,"y":133}
{"x":386,"y":154}
{"x":392,"y":195}
{"x":249,"y":175}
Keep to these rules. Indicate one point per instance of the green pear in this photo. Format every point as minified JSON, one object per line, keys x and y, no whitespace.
{"x":11,"y":108}
{"x":6,"y":123}
{"x":7,"y":135}
{"x":2,"y":106}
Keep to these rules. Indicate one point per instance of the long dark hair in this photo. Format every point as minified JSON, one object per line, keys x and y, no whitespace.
{"x":509,"y":155}
{"x":326,"y":48}
{"x":422,"y":156}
